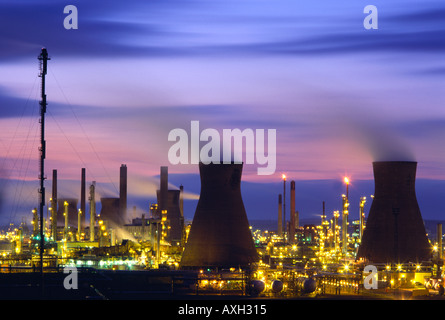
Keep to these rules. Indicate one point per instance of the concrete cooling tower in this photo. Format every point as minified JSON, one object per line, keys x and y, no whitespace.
{"x":220,"y":236}
{"x":110,"y":211}
{"x":394,"y":231}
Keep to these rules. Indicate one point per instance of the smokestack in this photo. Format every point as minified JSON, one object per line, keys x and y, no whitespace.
{"x":280,"y":216}
{"x":163,"y":200}
{"x":394,"y":231}
{"x":324,"y":225}
{"x":54,"y":207}
{"x":297,"y":219}
{"x":79,"y":224}
{"x":65,"y":214}
{"x":439,"y":240}
{"x":220,"y":236}
{"x":344,"y":228}
{"x":323,"y":216}
{"x":292,"y":212}
{"x":92,"y":200}
{"x":54,"y":195}
{"x":123,"y":193}
{"x":181,"y":200}
{"x":362,"y":216}
{"x":335,"y":228}
{"x":82,"y":198}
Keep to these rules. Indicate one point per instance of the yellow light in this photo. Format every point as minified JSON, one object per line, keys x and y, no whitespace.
{"x":346,"y":180}
{"x":283,"y":176}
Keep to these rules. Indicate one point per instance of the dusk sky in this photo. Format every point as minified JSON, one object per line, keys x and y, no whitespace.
{"x":340,"y":96}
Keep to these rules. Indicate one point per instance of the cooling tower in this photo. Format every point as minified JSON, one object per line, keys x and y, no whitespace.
{"x":110,"y":211}
{"x":220,"y":235}
{"x":394,"y":231}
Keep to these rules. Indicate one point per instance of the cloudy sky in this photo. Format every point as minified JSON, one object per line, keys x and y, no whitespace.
{"x":339,"y":95}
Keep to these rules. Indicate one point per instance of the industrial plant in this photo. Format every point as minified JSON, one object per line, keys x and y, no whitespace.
{"x":385,"y":254}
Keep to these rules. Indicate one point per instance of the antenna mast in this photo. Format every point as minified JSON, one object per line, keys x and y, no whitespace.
{"x":43,"y":58}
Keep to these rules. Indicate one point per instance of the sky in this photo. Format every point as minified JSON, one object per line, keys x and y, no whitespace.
{"x":338,"y":95}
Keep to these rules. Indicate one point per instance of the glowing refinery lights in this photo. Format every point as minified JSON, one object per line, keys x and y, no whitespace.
{"x":346,"y":180}
{"x":283,"y":176}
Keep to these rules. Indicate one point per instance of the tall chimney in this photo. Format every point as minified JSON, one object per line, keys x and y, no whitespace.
{"x":394,"y":232}
{"x":439,"y":240}
{"x":292,"y":212}
{"x":54,"y":207}
{"x":181,"y":200}
{"x":324,"y":225}
{"x":82,"y":199}
{"x":280,"y":216}
{"x":163,"y":190}
{"x":65,"y":214}
{"x":335,"y":229}
{"x":344,"y":229}
{"x":123,"y":193}
{"x":92,"y":200}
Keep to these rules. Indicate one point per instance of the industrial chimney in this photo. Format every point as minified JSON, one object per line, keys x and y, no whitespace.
{"x":83,"y":197}
{"x":123,"y":193}
{"x":292,"y":213}
{"x":394,"y":231}
{"x":54,"y":207}
{"x":280,"y":216}
{"x":220,"y":236}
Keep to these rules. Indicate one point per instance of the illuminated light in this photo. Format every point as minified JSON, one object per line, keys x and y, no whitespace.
{"x":346,"y":179}
{"x":283,"y":176}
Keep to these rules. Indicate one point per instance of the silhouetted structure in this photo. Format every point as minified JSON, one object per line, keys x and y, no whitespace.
{"x":72,"y":212}
{"x":394,"y":231}
{"x":220,"y":236}
{"x":123,"y":192}
{"x":174,"y":220}
{"x":83,"y":197}
{"x":110,"y":211}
